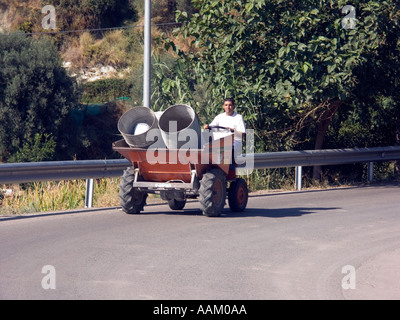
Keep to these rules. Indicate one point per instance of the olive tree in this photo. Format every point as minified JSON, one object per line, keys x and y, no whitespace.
{"x":36,"y":95}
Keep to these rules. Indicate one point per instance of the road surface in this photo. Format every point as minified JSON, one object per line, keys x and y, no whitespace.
{"x":325,"y":244}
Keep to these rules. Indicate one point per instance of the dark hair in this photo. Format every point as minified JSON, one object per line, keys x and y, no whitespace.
{"x":230,"y":100}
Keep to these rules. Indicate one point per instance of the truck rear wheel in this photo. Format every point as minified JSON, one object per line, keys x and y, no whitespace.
{"x":132,"y":200}
{"x":238,"y":195}
{"x":212,"y":192}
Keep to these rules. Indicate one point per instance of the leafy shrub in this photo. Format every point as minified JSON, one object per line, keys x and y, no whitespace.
{"x":105,"y":90}
{"x":41,"y":148}
{"x":36,"y":94}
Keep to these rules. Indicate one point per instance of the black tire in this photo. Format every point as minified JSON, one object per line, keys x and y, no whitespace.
{"x":238,"y":195}
{"x":132,"y":200}
{"x":212,"y":192}
{"x":176,"y":204}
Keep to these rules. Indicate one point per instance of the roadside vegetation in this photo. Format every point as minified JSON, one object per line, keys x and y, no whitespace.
{"x":300,"y":78}
{"x":56,"y":196}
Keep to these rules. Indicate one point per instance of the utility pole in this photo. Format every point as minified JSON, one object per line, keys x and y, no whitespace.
{"x":147,"y":54}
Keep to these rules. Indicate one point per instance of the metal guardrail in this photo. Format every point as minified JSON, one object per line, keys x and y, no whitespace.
{"x":324,"y":157}
{"x":93,"y":169}
{"x":86,"y":169}
{"x":61,"y":170}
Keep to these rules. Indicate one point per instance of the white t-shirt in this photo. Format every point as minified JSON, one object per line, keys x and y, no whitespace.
{"x":234,"y":121}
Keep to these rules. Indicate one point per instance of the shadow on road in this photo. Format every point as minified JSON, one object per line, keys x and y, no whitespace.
{"x":274,"y":213}
{"x":249,"y":212}
{"x":227,"y":213}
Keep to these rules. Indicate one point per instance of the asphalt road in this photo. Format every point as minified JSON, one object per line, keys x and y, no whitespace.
{"x":329,"y":244}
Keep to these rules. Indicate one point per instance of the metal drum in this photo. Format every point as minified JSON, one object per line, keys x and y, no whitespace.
{"x":180,"y":127}
{"x":135,"y":124}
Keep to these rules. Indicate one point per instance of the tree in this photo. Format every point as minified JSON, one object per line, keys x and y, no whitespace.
{"x":291,"y":65}
{"x":379,"y":81}
{"x":36,"y":95}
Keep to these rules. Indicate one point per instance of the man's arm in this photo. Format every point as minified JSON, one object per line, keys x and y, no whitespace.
{"x":215,"y":122}
{"x":240,"y":128}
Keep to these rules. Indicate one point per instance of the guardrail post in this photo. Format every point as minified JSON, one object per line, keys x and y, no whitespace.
{"x":89,"y":193}
{"x":298,"y":174}
{"x":370,"y":173}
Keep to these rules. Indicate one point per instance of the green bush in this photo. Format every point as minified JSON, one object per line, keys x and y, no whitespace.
{"x":41,"y":148}
{"x":36,"y":94}
{"x":105,"y":90}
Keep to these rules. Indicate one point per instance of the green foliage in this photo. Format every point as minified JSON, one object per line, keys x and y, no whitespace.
{"x":167,"y":76}
{"x":94,"y":137}
{"x":372,"y":117}
{"x":106,"y":90}
{"x":42,"y":148}
{"x":26,"y":26}
{"x":286,"y":62}
{"x":36,"y":94}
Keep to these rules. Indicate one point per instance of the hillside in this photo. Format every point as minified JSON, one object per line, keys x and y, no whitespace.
{"x":94,"y":54}
{"x":101,"y":45}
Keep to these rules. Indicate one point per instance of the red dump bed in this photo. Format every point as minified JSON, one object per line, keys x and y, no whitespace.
{"x":161,"y":165}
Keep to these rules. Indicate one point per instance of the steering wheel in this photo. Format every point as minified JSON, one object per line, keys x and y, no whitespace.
{"x":220,"y":127}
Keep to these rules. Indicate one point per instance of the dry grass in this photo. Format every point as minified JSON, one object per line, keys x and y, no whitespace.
{"x":56,"y":196}
{"x":114,"y":49}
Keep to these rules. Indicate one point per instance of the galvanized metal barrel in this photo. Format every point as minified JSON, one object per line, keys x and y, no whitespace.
{"x":135,"y":124}
{"x":180,"y":127}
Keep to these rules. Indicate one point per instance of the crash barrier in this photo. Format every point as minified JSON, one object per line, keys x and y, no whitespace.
{"x":96,"y":169}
